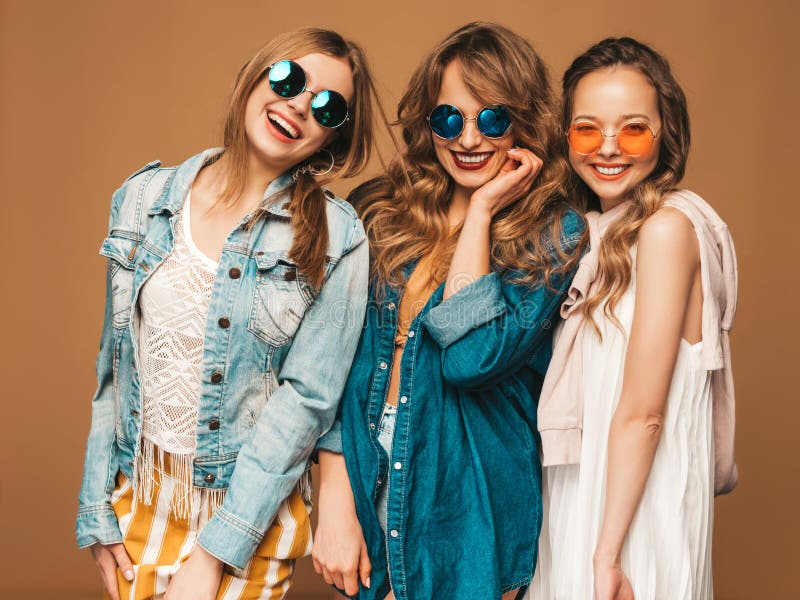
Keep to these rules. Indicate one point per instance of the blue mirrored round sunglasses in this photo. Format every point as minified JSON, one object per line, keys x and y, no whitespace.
{"x":288,"y":80}
{"x":447,"y":122}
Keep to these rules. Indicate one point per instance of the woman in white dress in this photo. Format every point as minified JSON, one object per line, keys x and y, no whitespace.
{"x":640,"y":382}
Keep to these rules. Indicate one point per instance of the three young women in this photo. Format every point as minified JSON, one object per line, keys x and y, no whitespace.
{"x":473,"y":246}
{"x":636,"y":413}
{"x":225,"y":347}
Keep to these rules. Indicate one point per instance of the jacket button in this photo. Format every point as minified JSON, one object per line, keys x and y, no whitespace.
{"x":234,"y":273}
{"x":224,"y":322}
{"x":213,"y":424}
{"x":216,"y":377}
{"x":290,"y":275}
{"x":391,"y":306}
{"x":383,"y":365}
{"x":209,"y":478}
{"x":403,"y":399}
{"x":394,"y":533}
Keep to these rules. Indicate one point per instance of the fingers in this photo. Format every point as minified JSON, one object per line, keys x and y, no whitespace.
{"x":364,"y":566}
{"x":123,"y":560}
{"x":107,"y":566}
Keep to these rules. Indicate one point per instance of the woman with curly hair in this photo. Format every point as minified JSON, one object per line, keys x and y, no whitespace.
{"x":473,"y":245}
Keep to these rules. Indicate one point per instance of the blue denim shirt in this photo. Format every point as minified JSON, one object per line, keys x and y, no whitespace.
{"x":271,"y":379}
{"x":464,"y":501}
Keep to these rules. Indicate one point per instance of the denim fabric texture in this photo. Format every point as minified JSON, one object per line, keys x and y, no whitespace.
{"x":464,"y":479}
{"x":275,"y":359}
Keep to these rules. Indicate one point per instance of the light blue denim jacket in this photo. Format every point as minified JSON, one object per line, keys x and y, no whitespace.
{"x":271,"y":379}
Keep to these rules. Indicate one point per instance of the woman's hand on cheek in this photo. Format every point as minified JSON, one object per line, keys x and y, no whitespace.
{"x":197,"y":579}
{"x":510,"y":184}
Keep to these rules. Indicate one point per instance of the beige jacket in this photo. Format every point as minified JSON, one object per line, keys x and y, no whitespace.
{"x":561,"y":402}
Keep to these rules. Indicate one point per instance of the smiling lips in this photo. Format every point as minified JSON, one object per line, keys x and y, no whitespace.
{"x":471,"y":161}
{"x":609,"y":172}
{"x":282,"y":128}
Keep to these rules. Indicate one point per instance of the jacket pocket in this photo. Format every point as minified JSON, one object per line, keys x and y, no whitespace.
{"x":120,"y":251}
{"x":280,"y":299}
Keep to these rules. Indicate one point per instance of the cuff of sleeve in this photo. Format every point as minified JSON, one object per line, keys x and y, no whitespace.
{"x":229,"y":539}
{"x":470,"y":307}
{"x":561,"y":447}
{"x":332,"y":440}
{"x":97,"y":525}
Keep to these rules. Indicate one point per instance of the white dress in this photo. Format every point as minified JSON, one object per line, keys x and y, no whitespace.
{"x":667,"y":554}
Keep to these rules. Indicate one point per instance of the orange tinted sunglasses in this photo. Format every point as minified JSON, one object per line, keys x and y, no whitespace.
{"x":634,"y":139}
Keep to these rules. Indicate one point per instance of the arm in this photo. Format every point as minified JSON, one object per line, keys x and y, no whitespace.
{"x":304,"y":405}
{"x":667,"y":262}
{"x":491,"y":328}
{"x":340,"y":552}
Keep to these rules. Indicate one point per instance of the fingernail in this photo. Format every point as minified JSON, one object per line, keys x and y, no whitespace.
{"x":367,"y":583}
{"x":129,"y":575}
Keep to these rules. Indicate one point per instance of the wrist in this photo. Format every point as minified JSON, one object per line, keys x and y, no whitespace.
{"x":606,"y":556}
{"x":479,"y":210}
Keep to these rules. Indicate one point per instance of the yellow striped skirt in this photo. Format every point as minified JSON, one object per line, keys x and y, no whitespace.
{"x":158,"y":542}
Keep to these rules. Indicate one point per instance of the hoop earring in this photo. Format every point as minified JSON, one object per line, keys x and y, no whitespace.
{"x":316,"y":173}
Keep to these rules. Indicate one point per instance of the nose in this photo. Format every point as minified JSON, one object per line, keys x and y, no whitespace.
{"x":470,"y":136}
{"x":301,"y":104}
{"x":608,"y":147}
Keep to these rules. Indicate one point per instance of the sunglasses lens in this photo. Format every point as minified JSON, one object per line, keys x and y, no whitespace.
{"x":584,"y":138}
{"x":287,"y":79}
{"x":329,"y":108}
{"x":446,"y":121}
{"x":494,"y":122}
{"x":635,"y":139}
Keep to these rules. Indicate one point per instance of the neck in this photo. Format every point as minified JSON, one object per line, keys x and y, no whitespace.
{"x":258,"y":176}
{"x":608,"y":203}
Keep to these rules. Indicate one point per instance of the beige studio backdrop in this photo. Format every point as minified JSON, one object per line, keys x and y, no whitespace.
{"x":93,"y":90}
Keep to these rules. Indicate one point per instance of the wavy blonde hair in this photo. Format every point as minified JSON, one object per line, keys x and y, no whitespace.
{"x":405,"y":211}
{"x":350,"y":147}
{"x":614,"y":274}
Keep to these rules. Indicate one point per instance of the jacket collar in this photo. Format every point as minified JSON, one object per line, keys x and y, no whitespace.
{"x":174,"y":194}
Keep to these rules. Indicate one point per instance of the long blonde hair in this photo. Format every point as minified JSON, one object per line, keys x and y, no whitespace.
{"x":351,"y":146}
{"x":405,"y":211}
{"x":614,"y":274}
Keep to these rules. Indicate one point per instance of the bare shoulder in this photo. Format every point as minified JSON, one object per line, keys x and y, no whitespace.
{"x":668,"y":234}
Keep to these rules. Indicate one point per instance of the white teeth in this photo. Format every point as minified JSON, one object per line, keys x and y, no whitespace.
{"x":610,"y":170}
{"x":283,"y":123}
{"x":472,"y":158}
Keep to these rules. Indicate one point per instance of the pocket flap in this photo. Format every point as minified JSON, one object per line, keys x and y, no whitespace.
{"x":120,"y":249}
{"x":268,"y":260}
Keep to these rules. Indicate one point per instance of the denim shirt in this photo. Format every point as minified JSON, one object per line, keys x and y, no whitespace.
{"x":272,"y":371}
{"x":464,"y":501}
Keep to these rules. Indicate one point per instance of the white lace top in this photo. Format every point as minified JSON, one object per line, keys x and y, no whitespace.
{"x":173,"y":312}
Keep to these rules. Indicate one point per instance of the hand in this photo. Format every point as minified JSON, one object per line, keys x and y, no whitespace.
{"x":109,"y":557}
{"x":610,"y":583}
{"x":197,"y":579}
{"x":340,"y":552}
{"x":511,"y":183}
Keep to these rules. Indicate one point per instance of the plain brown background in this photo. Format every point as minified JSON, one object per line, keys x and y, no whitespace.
{"x":93,"y":90}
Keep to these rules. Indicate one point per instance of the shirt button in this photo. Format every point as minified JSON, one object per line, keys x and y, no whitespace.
{"x":213,"y":424}
{"x":216,"y":377}
{"x":411,"y":334}
{"x":290,"y":275}
{"x":383,"y":365}
{"x":398,"y":466}
{"x":234,"y":273}
{"x":380,"y":481}
{"x":209,"y":478}
{"x":394,"y":533}
{"x":391,"y":306}
{"x":372,"y":425}
{"x":403,"y":399}
{"x":224,"y":322}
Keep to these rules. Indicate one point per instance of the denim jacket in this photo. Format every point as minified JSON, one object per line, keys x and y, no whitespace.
{"x":273,"y":368}
{"x":464,"y":501}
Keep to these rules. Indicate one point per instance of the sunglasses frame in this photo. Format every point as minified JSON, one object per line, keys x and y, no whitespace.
{"x":465,"y":119}
{"x":314,"y":95}
{"x":603,"y":135}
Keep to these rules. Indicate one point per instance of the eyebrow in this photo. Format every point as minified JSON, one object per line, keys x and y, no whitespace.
{"x":624,"y":117}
